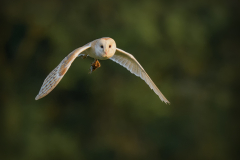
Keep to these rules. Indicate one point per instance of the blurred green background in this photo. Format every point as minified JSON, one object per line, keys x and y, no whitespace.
{"x":190,"y":49}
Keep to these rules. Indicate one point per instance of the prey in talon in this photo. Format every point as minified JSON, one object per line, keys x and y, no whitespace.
{"x":95,"y":65}
{"x":99,"y":49}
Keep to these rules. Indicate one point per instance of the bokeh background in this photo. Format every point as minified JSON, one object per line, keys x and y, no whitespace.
{"x":189,"y":48}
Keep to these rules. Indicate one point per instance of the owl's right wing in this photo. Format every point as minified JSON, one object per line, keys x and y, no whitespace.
{"x":57,"y":74}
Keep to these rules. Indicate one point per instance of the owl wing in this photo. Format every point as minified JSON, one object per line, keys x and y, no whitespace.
{"x":57,"y":74}
{"x":130,"y":63}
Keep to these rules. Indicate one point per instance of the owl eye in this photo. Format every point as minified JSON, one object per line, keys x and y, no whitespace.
{"x":110,"y":46}
{"x":101,"y":46}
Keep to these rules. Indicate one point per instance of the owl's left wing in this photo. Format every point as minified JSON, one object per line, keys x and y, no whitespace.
{"x":130,"y":63}
{"x":57,"y":74}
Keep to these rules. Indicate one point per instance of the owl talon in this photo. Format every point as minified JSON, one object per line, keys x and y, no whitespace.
{"x":83,"y":56}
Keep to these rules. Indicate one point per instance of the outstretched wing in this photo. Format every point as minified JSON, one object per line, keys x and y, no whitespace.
{"x":128,"y":61}
{"x":57,"y":74}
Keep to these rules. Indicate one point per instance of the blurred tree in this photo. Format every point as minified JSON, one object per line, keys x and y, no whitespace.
{"x":189,"y":48}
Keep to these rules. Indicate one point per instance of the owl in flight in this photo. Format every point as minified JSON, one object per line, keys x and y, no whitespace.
{"x":99,"y":49}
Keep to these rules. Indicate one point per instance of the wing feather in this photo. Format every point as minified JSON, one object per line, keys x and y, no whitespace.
{"x":130,"y":63}
{"x":57,"y":74}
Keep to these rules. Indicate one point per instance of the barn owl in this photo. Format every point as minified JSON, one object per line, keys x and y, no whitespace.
{"x":99,"y":49}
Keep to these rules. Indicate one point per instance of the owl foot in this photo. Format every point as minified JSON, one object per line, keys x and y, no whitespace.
{"x":83,"y":56}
